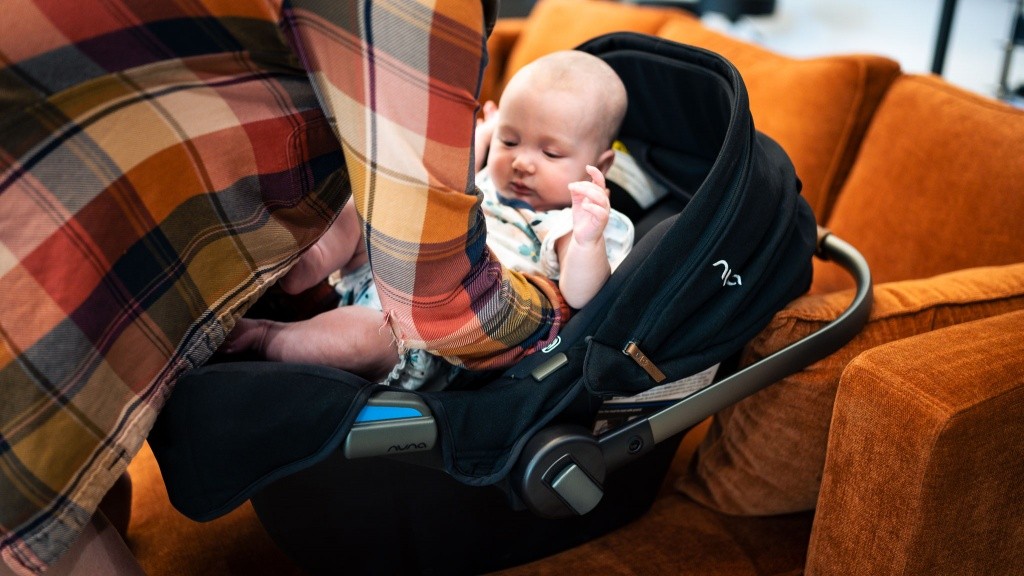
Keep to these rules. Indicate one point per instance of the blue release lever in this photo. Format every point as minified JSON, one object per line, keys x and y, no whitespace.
{"x":377,"y":413}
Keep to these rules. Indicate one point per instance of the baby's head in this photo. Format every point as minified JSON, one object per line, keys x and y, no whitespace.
{"x":556,"y":115}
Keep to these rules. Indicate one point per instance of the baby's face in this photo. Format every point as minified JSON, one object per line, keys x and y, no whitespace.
{"x":543,"y":142}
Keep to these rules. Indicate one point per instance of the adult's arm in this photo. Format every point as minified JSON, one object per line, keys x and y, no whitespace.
{"x":399,"y":81}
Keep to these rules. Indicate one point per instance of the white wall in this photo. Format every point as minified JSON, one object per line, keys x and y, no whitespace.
{"x":904,"y":30}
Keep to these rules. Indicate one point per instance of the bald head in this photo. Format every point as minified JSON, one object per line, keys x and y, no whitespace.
{"x":598,"y":89}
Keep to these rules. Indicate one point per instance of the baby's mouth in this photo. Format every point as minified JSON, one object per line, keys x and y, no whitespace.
{"x":519,"y":189}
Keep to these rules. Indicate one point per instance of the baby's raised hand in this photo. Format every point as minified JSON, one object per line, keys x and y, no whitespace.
{"x":590,"y":207}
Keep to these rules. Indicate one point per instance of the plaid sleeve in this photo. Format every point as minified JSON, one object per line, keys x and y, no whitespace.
{"x":161,"y":163}
{"x":406,"y":125}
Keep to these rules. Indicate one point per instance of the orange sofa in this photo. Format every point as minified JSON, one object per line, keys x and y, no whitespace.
{"x":899,"y":454}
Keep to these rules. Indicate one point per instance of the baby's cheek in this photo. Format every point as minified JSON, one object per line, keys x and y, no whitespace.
{"x":499,"y":173}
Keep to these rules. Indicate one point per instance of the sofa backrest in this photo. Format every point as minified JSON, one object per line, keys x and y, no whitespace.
{"x":816,"y":109}
{"x":564,"y":24}
{"x":938,"y":185}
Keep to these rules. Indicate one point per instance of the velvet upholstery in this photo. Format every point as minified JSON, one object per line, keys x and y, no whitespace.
{"x":499,"y":45}
{"x":561,"y":25}
{"x":957,"y":185}
{"x":942,"y":440}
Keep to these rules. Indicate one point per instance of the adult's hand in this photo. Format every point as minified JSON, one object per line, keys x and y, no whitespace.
{"x":340,"y":248}
{"x":352,"y":338}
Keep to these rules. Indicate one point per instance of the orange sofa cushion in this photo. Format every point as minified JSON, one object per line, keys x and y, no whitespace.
{"x":564,"y":24}
{"x":817,"y":109}
{"x":499,"y":45}
{"x":765,"y":454}
{"x":938,"y":185}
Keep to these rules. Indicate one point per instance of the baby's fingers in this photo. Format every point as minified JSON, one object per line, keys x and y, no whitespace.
{"x":598,"y":212}
{"x":589,"y":190}
{"x":596,"y":176}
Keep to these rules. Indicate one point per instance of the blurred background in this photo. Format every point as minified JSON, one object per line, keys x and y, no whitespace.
{"x":967,"y":41}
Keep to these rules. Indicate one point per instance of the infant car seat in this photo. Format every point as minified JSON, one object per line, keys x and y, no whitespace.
{"x":502,"y":468}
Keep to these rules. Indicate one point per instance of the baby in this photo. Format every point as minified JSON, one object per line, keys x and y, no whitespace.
{"x":541,"y":156}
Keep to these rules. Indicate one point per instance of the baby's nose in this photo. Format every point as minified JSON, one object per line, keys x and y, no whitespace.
{"x":522,"y":163}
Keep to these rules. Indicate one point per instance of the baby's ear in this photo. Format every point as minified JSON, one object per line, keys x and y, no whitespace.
{"x":604,"y":161}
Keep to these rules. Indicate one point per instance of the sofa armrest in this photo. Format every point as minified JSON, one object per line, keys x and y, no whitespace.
{"x":925,"y":465}
{"x":499,"y":46}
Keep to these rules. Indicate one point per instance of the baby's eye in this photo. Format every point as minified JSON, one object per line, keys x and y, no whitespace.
{"x":507,"y":143}
{"x":553,"y":154}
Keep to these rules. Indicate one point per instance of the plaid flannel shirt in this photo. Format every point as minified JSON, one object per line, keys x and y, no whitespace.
{"x":161,"y":164}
